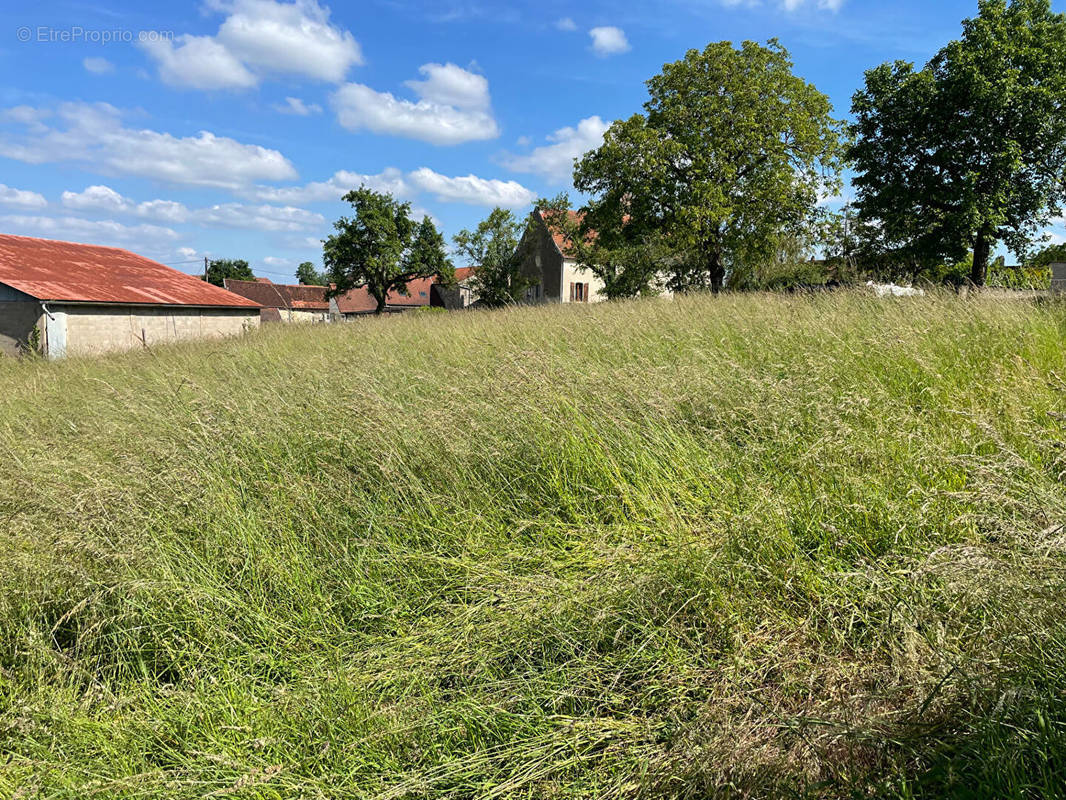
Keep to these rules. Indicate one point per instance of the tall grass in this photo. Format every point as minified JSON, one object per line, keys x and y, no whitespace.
{"x":737,"y":547}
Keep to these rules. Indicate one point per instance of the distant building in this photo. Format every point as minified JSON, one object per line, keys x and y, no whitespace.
{"x":550,"y":264}
{"x":284,"y":302}
{"x":62,"y":298}
{"x":457,"y":297}
{"x":359,"y":302}
{"x":1058,"y":276}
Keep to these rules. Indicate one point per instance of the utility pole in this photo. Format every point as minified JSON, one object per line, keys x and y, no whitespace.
{"x":205,"y":269}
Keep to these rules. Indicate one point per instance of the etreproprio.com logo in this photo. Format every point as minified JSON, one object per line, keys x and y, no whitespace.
{"x":77,"y":34}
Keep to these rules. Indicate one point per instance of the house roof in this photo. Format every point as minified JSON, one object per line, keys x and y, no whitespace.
{"x":280,"y":295}
{"x":560,"y":241}
{"x":85,"y":273}
{"x":359,"y":300}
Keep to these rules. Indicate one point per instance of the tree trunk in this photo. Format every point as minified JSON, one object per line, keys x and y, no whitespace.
{"x":716,"y":270}
{"x":381,"y":303}
{"x":982,"y":249}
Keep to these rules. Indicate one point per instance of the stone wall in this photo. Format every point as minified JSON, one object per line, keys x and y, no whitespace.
{"x":101,"y":329}
{"x":541,"y":261}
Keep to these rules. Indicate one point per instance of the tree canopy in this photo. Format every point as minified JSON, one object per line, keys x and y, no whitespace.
{"x":491,"y":248}
{"x":307,"y":275}
{"x":969,"y":151}
{"x":236,"y":269}
{"x":382,"y":248}
{"x":731,"y":153}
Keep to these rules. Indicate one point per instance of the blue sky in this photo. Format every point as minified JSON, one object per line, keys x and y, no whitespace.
{"x":230,"y":128}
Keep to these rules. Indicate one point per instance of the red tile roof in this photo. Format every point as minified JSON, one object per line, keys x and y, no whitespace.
{"x":280,"y":295}
{"x":463,"y":273}
{"x":86,"y":273}
{"x":560,"y":241}
{"x":359,"y":300}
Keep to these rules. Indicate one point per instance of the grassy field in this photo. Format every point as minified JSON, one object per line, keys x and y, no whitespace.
{"x":741,"y":547}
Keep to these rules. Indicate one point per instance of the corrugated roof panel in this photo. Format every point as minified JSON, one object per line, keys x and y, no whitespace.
{"x":86,"y":273}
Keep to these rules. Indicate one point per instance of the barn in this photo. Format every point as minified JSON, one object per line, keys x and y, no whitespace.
{"x":62,"y":298}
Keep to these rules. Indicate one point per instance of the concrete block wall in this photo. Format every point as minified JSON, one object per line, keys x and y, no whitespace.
{"x":101,"y":329}
{"x":1058,"y":276}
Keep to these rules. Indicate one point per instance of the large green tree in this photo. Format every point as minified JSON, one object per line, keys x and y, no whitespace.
{"x":970,"y":150}
{"x":382,"y":248}
{"x":730,"y":154}
{"x":492,"y":248}
{"x":630,"y":263}
{"x":307,"y":275}
{"x":236,"y":269}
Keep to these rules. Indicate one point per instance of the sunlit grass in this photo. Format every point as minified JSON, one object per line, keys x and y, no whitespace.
{"x":746,"y":546}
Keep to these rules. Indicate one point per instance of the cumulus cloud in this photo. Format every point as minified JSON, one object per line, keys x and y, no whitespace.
{"x":105,"y":232}
{"x":98,"y":66}
{"x":472,"y":189}
{"x":199,"y":62}
{"x":294,"y":105}
{"x":21,"y":198}
{"x":453,"y":107}
{"x":609,"y":41}
{"x":390,"y":180}
{"x":256,"y":39}
{"x":789,"y":5}
{"x":555,"y":161}
{"x":94,"y":134}
{"x":104,"y":199}
{"x":468,"y":189}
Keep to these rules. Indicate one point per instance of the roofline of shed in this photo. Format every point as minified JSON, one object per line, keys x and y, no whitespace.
{"x":113,"y":304}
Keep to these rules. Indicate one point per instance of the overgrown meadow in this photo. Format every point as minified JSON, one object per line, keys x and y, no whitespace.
{"x":747,"y":546}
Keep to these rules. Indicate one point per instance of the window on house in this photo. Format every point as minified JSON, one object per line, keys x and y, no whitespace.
{"x":579,"y":292}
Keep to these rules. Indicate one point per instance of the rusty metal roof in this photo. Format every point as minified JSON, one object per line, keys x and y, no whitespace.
{"x":86,"y":273}
{"x":280,"y":295}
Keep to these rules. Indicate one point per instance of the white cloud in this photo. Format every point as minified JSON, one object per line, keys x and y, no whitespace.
{"x":262,"y":218}
{"x":555,"y":161}
{"x":98,"y":66}
{"x":789,"y":5}
{"x":258,"y":38}
{"x":472,"y":189}
{"x":93,"y":135}
{"x":566,"y":24}
{"x":389,"y":180}
{"x":96,"y":198}
{"x":21,"y":198}
{"x":199,"y":62}
{"x":609,"y":41}
{"x":104,"y":199}
{"x":454,"y":106}
{"x":447,"y":84}
{"x":463,"y":189}
{"x":105,"y":232}
{"x":294,"y":105}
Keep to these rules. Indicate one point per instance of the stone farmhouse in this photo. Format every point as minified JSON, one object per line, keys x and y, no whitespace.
{"x":546,"y":259}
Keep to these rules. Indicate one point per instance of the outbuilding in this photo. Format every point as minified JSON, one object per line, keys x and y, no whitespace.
{"x":284,"y":302}
{"x":62,"y":298}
